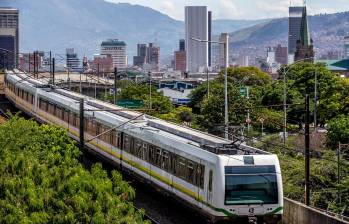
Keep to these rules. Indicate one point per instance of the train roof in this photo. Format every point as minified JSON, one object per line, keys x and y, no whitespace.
{"x":196,"y":138}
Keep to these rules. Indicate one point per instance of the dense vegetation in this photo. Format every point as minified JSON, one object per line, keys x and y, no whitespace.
{"x":42,"y":180}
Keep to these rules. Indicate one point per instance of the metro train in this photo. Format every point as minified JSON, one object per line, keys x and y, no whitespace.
{"x":219,"y":179}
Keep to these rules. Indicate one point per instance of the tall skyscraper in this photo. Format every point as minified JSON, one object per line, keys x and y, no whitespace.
{"x":73,"y":62}
{"x":153,"y":56}
{"x":9,"y":41}
{"x":196,"y":26}
{"x":141,"y":57}
{"x":117,"y":50}
{"x":209,"y":38}
{"x":294,"y":27}
{"x":346,"y":47}
{"x":305,"y":48}
{"x":182,"y":45}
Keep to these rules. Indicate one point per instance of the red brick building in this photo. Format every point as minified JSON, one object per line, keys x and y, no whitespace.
{"x":180,"y":61}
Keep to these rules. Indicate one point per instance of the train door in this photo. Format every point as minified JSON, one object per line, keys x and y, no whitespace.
{"x":209,"y":186}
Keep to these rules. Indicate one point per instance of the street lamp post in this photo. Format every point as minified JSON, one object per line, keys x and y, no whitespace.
{"x":226,"y":65}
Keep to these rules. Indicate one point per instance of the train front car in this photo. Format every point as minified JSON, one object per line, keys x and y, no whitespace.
{"x":249,"y":189}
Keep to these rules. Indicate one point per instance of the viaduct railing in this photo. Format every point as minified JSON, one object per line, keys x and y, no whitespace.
{"x":298,"y":213}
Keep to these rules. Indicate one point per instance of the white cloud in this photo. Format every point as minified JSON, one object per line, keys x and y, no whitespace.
{"x":169,"y":8}
{"x":227,"y":10}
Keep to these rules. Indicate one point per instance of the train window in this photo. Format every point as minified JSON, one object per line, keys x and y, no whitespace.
{"x":152,"y":154}
{"x":127,"y":143}
{"x":72,"y":119}
{"x":66,"y":116}
{"x":201,"y":176}
{"x":77,"y":120}
{"x":51,"y":108}
{"x":210,"y":179}
{"x":181,"y":168}
{"x":190,"y":171}
{"x":158,"y":157}
{"x":114,"y":138}
{"x":118,"y":139}
{"x":166,"y":160}
{"x":138,"y":148}
{"x":145,"y":151}
{"x":174,"y":164}
{"x":58,"y":112}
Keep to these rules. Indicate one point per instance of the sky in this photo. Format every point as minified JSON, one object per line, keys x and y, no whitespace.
{"x":242,"y":9}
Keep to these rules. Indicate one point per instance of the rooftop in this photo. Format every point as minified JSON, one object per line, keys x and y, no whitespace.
{"x":113,"y":42}
{"x":336,"y":65}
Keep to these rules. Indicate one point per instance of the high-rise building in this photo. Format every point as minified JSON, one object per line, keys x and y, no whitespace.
{"x":73,"y":62}
{"x":103,"y":62}
{"x":305,"y":48}
{"x":117,"y":50}
{"x":244,"y":61}
{"x":294,"y":27}
{"x":9,"y":41}
{"x":209,"y":38}
{"x":153,"y":56}
{"x":182,"y":45}
{"x":27,"y":61}
{"x":271,"y":55}
{"x":196,"y":26}
{"x":346,"y":47}
{"x":281,"y":55}
{"x":180,"y":57}
{"x":141,"y":57}
{"x":223,"y":60}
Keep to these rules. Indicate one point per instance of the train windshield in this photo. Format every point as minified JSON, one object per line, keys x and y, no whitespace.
{"x":251,"y":185}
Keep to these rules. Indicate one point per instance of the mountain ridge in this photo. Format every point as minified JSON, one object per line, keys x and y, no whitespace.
{"x":83,"y":24}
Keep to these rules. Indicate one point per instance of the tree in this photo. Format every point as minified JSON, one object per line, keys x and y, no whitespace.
{"x":301,"y":80}
{"x":133,"y":91}
{"x":42,"y":180}
{"x":338,"y":130}
{"x":179,"y":115}
{"x":211,"y":108}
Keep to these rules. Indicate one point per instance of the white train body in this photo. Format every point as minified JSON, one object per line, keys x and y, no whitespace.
{"x":215,"y":177}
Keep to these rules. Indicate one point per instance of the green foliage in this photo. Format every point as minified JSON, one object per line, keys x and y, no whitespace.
{"x":338,"y":130}
{"x":42,"y":180}
{"x":179,"y":115}
{"x":252,"y":75}
{"x":323,"y":179}
{"x":132,"y":91}
{"x":210,"y":109}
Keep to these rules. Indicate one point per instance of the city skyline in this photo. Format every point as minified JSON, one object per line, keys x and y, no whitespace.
{"x":242,"y":9}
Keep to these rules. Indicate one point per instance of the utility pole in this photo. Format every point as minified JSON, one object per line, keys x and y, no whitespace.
{"x":248,"y":112}
{"x":339,"y":170}
{"x":115,"y":81}
{"x":29,"y":62}
{"x":150,"y":103}
{"x":307,"y":151}
{"x":285,"y":109}
{"x":226,"y":114}
{"x":53,"y":70}
{"x":34,"y":63}
{"x":315,"y":104}
{"x":208,"y":83}
{"x":50,"y":63}
{"x":82,"y":128}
